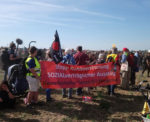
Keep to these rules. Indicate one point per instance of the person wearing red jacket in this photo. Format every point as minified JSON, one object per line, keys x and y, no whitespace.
{"x":81,"y":59}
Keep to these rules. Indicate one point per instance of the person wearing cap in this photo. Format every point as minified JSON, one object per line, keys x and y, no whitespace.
{"x":146,"y":64}
{"x":113,"y":57}
{"x":68,"y":59}
{"x":125,"y":73}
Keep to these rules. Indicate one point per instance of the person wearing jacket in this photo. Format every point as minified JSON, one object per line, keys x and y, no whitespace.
{"x":114,"y":58}
{"x":33,"y":77}
{"x":7,"y":100}
{"x":81,"y":58}
{"x":68,"y":59}
{"x":126,"y":75}
{"x":48,"y":90}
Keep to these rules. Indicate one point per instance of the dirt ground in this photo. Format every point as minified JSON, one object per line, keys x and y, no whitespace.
{"x":126,"y":106}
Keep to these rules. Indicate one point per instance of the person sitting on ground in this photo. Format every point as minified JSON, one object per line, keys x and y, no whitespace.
{"x":7,"y":100}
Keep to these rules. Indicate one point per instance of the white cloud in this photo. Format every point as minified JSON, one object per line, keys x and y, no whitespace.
{"x":40,"y":5}
{"x":9,"y":18}
{"x":39,"y":11}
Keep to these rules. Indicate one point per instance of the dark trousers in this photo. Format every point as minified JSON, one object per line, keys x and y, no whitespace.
{"x":79,"y":91}
{"x":48,"y":94}
{"x":69,"y":92}
{"x":5,"y":75}
{"x":145,"y":67}
{"x":133,"y":77}
{"x":5,"y":68}
{"x":111,"y":89}
{"x":8,"y":104}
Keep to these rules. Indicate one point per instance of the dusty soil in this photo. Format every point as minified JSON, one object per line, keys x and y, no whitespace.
{"x":126,"y":106}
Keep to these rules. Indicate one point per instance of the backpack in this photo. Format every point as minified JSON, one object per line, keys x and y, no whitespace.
{"x":5,"y":57}
{"x":22,"y":69}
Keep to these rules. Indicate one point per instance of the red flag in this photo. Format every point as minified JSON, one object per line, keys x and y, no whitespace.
{"x":55,"y":50}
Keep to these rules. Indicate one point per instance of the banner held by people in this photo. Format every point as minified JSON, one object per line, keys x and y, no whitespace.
{"x":55,"y":49}
{"x":71,"y":76}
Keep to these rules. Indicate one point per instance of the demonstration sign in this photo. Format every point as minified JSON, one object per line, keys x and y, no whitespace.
{"x":60,"y":75}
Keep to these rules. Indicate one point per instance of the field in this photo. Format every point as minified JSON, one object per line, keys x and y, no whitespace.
{"x":125,"y":107}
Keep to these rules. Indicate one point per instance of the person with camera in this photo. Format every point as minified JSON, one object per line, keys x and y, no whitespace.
{"x":9,"y":57}
{"x":14,"y":59}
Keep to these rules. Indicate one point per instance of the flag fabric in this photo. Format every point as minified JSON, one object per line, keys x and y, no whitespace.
{"x":146,"y":108}
{"x":55,"y":50}
{"x":55,"y":76}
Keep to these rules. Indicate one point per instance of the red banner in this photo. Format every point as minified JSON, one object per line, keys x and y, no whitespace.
{"x":71,"y":76}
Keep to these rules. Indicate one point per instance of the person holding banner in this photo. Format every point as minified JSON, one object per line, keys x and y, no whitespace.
{"x":81,"y":59}
{"x":33,"y":77}
{"x":48,"y":91}
{"x":68,"y":59}
{"x":115,"y":59}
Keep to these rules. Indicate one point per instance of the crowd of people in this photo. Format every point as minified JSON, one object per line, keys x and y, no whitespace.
{"x":130,"y":62}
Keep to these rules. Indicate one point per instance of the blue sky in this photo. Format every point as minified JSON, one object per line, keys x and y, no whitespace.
{"x":94,"y":24}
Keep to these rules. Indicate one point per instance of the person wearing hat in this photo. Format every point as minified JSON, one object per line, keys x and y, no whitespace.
{"x":146,"y":64}
{"x":68,"y":59}
{"x":126,"y":72}
{"x":113,"y":57}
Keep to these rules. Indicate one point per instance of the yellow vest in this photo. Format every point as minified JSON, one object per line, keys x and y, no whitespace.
{"x":37,"y":68}
{"x":114,"y":56}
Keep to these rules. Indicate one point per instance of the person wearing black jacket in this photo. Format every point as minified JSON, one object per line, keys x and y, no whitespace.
{"x":7,"y":100}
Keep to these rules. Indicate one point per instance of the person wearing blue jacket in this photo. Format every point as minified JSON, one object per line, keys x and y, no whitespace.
{"x":68,"y":59}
